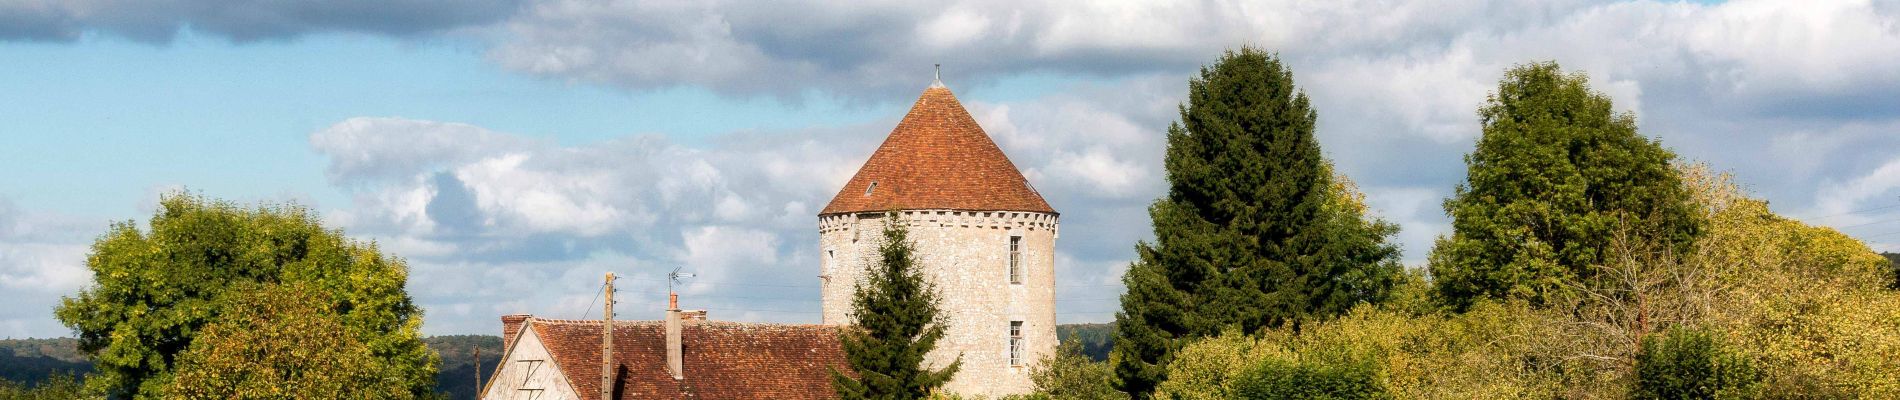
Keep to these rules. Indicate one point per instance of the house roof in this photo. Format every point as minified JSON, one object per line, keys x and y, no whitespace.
{"x":721,"y":360}
{"x":937,"y":159}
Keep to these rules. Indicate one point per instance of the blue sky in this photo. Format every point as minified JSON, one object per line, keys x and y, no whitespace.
{"x":512,"y":150}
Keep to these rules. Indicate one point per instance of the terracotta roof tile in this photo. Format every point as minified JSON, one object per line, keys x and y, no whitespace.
{"x":722,"y":360}
{"x":937,"y":158}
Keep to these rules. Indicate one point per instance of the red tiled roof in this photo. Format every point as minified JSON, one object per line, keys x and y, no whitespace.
{"x":937,"y":158}
{"x":722,"y":360}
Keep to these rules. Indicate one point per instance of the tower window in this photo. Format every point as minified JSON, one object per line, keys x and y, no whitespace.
{"x":1015,"y":259}
{"x":1015,"y":343}
{"x":831,"y":260}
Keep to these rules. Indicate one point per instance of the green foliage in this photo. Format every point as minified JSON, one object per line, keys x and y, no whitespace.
{"x":280,"y":342}
{"x":31,"y":361}
{"x":456,"y":379}
{"x":1254,"y":232}
{"x":1235,"y":366}
{"x":154,"y":291}
{"x":1493,"y":351}
{"x":895,"y":323}
{"x":55,"y":387}
{"x":1093,"y":340}
{"x":1687,"y":363}
{"x":1554,"y":173}
{"x":1280,"y":379}
{"x":1070,"y":375}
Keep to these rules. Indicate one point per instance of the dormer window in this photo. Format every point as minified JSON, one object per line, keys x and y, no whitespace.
{"x":868,"y":189}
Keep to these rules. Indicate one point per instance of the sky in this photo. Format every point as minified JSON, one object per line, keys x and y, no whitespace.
{"x":512,"y":151}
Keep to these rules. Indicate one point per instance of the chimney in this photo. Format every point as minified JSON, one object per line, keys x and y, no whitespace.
{"x":674,"y":357}
{"x":511,"y":327}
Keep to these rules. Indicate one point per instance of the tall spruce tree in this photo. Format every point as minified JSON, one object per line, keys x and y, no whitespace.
{"x":894,"y":313}
{"x":1555,"y":171}
{"x":1254,"y":231}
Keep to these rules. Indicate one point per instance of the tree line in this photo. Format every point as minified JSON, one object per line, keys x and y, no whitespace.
{"x":1585,"y":261}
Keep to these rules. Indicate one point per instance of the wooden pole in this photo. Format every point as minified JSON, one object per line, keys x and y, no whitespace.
{"x":478,"y":370}
{"x":607,"y":343}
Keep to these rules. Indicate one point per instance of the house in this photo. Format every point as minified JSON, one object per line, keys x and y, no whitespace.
{"x":561,"y":359}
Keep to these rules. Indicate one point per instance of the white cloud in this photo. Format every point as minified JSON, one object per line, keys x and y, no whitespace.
{"x":161,"y":21}
{"x":1795,"y":96}
{"x":42,"y":257}
{"x":373,"y":148}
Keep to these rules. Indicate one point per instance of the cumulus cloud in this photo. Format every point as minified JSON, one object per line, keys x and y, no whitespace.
{"x":42,"y":257}
{"x":472,"y":206}
{"x":1397,"y":83}
{"x":498,"y":222}
{"x":242,"y":21}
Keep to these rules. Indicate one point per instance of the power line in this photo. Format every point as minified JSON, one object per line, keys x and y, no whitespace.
{"x":590,"y":304}
{"x":1857,"y":211}
{"x":1879,"y":235}
{"x":1866,"y":224}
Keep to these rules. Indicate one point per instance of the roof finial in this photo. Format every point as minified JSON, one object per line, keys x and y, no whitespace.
{"x":938,"y":83}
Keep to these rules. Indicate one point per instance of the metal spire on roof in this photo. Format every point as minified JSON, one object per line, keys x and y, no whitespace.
{"x":938,"y":83}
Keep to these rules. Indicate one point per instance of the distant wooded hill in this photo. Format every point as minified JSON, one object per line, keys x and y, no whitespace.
{"x":31,"y":361}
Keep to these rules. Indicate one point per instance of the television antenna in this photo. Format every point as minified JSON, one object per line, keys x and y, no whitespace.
{"x":672,"y":279}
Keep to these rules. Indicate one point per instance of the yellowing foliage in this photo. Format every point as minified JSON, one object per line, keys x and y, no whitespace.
{"x":1806,"y":303}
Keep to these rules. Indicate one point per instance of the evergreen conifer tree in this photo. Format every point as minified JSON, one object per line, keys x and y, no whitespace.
{"x":895,"y":323}
{"x":1555,"y":171}
{"x":1254,"y":231}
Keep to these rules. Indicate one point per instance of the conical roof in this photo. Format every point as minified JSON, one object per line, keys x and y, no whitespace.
{"x":937,"y":159}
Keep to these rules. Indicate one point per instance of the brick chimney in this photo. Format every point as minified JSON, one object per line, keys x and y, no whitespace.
{"x":511,"y":327}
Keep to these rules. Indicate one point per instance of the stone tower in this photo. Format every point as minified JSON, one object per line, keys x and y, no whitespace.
{"x":983,"y":236}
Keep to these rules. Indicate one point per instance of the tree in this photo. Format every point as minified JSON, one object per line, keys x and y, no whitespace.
{"x":1071,"y":375}
{"x":1555,"y":171}
{"x":280,"y":342}
{"x":1893,"y":269}
{"x":1337,"y":380}
{"x":154,"y":291}
{"x":54,"y":387}
{"x":1688,"y":363}
{"x":895,"y":323}
{"x":1255,"y":230}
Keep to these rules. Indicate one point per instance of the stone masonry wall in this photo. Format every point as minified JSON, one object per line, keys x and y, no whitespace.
{"x":966,"y":255}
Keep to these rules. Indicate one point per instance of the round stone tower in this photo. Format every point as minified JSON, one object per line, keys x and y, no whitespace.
{"x":982,"y":234}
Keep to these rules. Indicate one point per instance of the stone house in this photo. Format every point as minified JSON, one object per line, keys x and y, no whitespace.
{"x":983,"y":235}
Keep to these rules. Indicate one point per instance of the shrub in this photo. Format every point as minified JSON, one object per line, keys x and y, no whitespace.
{"x":1684,"y":363}
{"x":1339,"y":379}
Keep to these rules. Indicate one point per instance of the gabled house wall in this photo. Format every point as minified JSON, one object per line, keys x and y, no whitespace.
{"x":529,"y":372}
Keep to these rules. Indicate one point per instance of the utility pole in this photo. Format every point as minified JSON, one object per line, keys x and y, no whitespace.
{"x":478,"y":370}
{"x":607,"y":343}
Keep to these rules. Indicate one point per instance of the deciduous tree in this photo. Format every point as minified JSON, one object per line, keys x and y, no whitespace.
{"x":154,"y":290}
{"x":1555,"y":170}
{"x":281,"y":342}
